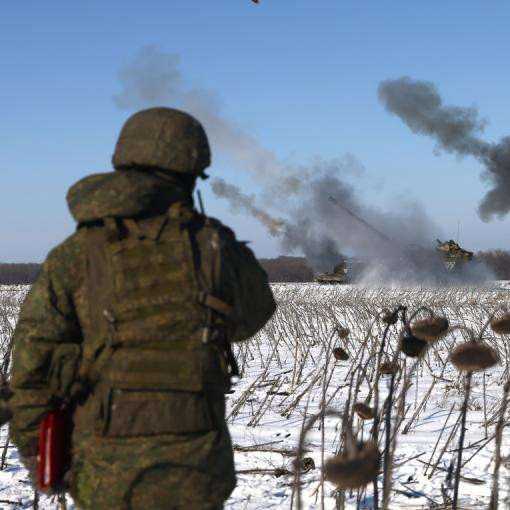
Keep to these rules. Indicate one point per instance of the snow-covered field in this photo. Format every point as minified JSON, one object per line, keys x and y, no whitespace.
{"x":291,"y":375}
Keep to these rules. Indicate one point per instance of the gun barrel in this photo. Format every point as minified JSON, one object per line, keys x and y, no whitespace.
{"x":360,"y":220}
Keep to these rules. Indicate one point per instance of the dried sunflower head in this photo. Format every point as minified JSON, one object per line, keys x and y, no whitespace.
{"x":355,"y":470}
{"x":474,"y":356}
{"x":5,"y":413}
{"x":389,"y":317}
{"x":5,"y":391}
{"x":412,"y":346}
{"x":342,"y":332}
{"x":387,"y":368}
{"x":363,"y":411}
{"x":5,"y":410}
{"x":340,"y":354}
{"x":431,"y":329}
{"x":307,"y":464}
{"x":501,"y":325}
{"x":304,"y":465}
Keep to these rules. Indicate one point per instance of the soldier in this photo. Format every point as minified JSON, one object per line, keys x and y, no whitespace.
{"x":128,"y":327}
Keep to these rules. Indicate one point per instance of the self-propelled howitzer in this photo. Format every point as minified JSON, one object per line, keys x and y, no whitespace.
{"x":454,"y":255}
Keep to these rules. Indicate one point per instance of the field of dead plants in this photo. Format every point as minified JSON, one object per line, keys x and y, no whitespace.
{"x":328,"y":377}
{"x":356,"y":397}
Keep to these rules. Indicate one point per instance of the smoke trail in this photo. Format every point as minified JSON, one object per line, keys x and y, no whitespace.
{"x":298,"y":211}
{"x":239,"y":200}
{"x":455,"y":129}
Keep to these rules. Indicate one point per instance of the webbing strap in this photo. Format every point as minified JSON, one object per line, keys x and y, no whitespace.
{"x":111,"y":226}
{"x":158,"y":228}
{"x":133,"y":227}
{"x":143,"y":231}
{"x":179,"y":211}
{"x":183,"y":369}
{"x":93,"y":369}
{"x":216,"y":304}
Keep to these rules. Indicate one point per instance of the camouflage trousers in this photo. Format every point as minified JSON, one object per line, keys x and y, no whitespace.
{"x":153,"y":473}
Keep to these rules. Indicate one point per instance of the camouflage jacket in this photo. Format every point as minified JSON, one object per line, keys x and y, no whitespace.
{"x":56,"y":309}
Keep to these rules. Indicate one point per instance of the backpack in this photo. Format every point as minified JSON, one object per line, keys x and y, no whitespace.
{"x":153,"y":355}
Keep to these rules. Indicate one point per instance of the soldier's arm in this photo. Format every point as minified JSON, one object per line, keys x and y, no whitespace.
{"x":252,"y":297}
{"x":47,"y":319}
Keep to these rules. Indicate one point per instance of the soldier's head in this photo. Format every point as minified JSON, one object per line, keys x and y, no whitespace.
{"x":163,"y":140}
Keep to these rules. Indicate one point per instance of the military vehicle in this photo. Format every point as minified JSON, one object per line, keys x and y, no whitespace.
{"x":454,"y":256}
{"x":339,"y":275}
{"x":445,"y":260}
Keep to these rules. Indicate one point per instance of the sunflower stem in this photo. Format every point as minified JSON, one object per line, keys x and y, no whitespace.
{"x":497,"y":455}
{"x":467,"y":389}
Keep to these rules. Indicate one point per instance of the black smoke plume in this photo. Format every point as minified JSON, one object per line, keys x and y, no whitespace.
{"x":455,"y":129}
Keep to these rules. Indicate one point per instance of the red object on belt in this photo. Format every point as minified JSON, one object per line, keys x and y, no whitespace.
{"x":50,"y":459}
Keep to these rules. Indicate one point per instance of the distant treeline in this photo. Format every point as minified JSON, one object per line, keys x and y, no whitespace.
{"x":11,"y":274}
{"x":280,"y":269}
{"x":287,"y":269}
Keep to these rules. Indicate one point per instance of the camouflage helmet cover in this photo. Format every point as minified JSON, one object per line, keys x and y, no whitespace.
{"x":164,"y":138}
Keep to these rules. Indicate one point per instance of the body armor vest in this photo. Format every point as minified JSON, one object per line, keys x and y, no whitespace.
{"x":152,"y":362}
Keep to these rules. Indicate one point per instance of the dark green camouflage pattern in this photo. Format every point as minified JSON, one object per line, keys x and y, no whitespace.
{"x":165,"y":472}
{"x":163,"y":138}
{"x":126,"y":192}
{"x":193,"y":470}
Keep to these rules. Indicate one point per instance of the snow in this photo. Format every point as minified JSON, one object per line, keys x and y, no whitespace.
{"x":288,"y":372}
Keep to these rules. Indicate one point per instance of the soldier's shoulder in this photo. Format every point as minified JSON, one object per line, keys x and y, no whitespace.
{"x":71,"y":247}
{"x":67,"y":260}
{"x":214,"y":225}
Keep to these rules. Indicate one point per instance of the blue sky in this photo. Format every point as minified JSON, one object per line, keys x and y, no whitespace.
{"x":300,"y":76}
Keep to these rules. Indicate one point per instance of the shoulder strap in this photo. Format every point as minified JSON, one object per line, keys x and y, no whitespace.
{"x":99,"y":292}
{"x":216,"y":304}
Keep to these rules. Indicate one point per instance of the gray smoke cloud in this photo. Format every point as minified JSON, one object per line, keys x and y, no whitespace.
{"x":293,"y":199}
{"x":455,"y":129}
{"x":153,"y":78}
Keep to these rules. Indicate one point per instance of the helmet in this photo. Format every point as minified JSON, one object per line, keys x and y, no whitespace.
{"x":164,"y":138}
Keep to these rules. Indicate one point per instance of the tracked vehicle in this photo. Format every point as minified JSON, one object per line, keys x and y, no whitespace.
{"x":339,"y":275}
